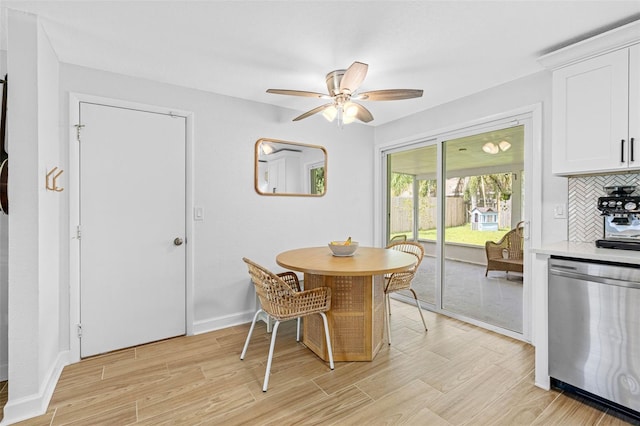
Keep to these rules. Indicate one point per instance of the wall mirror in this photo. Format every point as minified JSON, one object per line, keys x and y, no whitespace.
{"x":290,"y":168}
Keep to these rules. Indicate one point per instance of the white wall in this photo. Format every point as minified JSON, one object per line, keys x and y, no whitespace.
{"x":535,"y":88}
{"x":50,"y":218}
{"x":4,"y":273}
{"x":35,"y":359}
{"x":237,"y":221}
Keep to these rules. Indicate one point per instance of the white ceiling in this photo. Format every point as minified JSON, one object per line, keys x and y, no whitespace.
{"x":240,"y":48}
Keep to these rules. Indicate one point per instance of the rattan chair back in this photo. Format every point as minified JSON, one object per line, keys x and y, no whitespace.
{"x":399,"y":281}
{"x":291,"y":279}
{"x":411,"y":247}
{"x":280,"y":300}
{"x":402,"y":280}
{"x":398,"y":238}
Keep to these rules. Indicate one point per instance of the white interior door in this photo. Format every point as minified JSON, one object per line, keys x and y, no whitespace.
{"x":132,"y":222}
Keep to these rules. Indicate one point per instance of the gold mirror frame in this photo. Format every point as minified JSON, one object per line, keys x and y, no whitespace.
{"x":283,"y":168}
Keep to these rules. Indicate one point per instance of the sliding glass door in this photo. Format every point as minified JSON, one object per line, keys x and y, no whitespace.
{"x":484,"y":197}
{"x":412,"y":205}
{"x":454,"y":194}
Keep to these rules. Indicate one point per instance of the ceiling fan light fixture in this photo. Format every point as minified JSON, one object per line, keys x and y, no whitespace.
{"x":266,"y":148}
{"x":330,"y":113}
{"x":504,"y":145}
{"x":350,"y":109}
{"x":490,"y":148}
{"x":347,"y":119}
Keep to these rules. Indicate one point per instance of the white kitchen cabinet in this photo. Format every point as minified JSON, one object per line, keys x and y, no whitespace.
{"x":595,"y":114}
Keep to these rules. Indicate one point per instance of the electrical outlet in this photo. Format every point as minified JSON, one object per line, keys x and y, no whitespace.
{"x":560,"y":211}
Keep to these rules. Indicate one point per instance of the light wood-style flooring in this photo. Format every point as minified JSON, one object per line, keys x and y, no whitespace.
{"x":4,"y":394}
{"x":455,"y":374}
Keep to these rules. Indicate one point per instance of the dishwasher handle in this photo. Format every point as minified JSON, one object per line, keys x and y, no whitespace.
{"x":570,"y":272}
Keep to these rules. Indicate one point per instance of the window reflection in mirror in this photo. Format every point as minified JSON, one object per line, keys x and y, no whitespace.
{"x":290,"y":168}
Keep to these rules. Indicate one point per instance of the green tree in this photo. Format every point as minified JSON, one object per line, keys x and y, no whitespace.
{"x":428,"y":187}
{"x":488,"y":189}
{"x":503,"y":185}
{"x":400,"y":182}
{"x":317,"y":180}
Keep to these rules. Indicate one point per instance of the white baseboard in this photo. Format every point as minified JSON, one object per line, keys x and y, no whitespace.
{"x":34,"y":405}
{"x":204,"y":326}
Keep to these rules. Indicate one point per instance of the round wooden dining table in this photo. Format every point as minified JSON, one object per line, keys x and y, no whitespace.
{"x":356,"y":317}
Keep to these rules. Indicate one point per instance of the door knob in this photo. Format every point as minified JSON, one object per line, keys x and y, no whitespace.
{"x":178,"y":241}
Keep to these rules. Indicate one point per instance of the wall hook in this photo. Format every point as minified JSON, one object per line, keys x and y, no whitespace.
{"x":53,"y":186}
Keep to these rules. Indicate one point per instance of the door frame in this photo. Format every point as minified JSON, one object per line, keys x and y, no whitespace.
{"x":533,"y":197}
{"x":74,"y":208}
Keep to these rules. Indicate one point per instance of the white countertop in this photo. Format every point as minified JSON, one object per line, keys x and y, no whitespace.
{"x":589,"y":251}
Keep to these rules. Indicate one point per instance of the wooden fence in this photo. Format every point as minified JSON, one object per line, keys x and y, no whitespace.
{"x":402,"y":213}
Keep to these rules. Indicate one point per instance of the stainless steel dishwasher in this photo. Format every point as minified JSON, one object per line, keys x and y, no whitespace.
{"x":594,"y":328}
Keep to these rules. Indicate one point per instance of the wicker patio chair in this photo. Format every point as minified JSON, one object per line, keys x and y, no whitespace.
{"x":507,"y":254}
{"x":281,"y":302}
{"x":399,"y":281}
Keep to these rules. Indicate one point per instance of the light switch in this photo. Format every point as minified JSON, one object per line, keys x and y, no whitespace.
{"x":560,"y":211}
{"x":198,"y":213}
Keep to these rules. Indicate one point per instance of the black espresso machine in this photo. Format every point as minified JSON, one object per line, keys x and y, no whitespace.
{"x":620,"y":209}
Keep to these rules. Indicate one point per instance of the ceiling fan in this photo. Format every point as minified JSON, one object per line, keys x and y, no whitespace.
{"x":342,"y":86}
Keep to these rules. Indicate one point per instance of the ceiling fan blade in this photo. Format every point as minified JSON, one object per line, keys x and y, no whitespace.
{"x":353,"y":77}
{"x":311,"y":112}
{"x":363,"y":114}
{"x":298,"y":93}
{"x":389,"y":95}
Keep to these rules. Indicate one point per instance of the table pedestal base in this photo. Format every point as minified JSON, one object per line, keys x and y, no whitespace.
{"x":356,"y":317}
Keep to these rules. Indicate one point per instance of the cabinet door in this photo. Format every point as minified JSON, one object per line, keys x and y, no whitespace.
{"x":590,"y":115}
{"x":634,"y":101}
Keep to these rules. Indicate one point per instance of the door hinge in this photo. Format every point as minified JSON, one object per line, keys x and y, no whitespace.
{"x":78,"y":128}
{"x":78,"y":232}
{"x":79,"y":331}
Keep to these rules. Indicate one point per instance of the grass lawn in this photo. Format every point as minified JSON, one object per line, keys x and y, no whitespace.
{"x":460,"y":234}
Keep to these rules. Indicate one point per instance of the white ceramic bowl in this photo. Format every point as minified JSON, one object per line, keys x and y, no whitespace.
{"x":339,"y":249}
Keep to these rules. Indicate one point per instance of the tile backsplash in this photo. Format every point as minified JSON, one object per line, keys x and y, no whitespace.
{"x":585,"y":222}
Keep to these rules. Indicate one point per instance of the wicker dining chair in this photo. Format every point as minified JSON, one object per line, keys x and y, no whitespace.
{"x":292,"y":279}
{"x":399,"y":281}
{"x":282,"y":302}
{"x":398,"y":238}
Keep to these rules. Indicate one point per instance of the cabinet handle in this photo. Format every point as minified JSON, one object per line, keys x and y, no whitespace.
{"x":622,"y":151}
{"x":631,"y":148}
